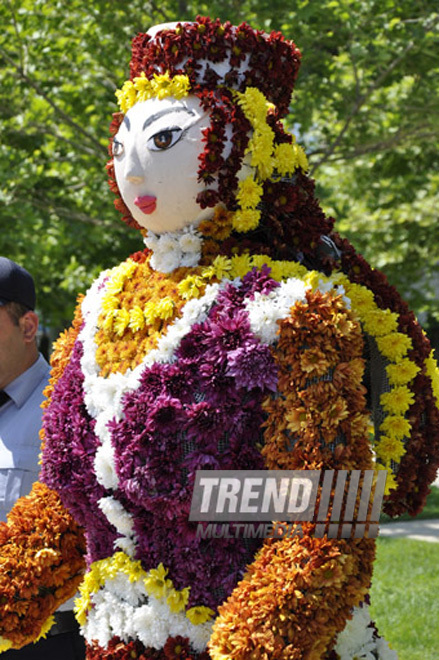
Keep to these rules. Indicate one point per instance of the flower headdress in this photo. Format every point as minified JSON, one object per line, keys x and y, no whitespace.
{"x":244,"y":78}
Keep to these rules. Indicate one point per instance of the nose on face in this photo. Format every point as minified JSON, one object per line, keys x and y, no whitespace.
{"x":133,"y":170}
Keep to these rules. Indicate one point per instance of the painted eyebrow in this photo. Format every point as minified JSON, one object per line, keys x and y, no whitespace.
{"x":166,"y":111}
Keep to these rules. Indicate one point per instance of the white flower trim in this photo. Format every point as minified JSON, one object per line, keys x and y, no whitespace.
{"x":358,"y":640}
{"x":124,"y":609}
{"x":103,"y":396}
{"x":265,"y":310}
{"x":174,"y":249}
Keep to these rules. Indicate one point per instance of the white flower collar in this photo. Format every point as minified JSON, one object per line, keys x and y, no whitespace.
{"x":174,"y":249}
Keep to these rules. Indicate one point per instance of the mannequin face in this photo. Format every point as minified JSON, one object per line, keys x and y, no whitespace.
{"x":156,"y":162}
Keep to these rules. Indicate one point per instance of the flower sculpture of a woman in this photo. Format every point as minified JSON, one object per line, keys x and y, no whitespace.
{"x":247,"y":335}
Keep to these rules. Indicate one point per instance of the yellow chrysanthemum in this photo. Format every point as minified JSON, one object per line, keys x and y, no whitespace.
{"x":109,"y":320}
{"x":208,"y":273}
{"x":222,"y":266}
{"x":433,"y":372}
{"x":395,"y":427}
{"x":165,"y":308}
{"x":362,"y":299}
{"x":401,"y":373}
{"x":394,"y":346}
{"x":390,"y":449}
{"x":149,"y":313}
{"x":81,"y":608}
{"x":161,"y":86}
{"x":249,"y":193}
{"x":109,"y":303}
{"x":398,"y":400}
{"x":190,"y":287}
{"x":199,"y":614}
{"x":240,"y":265}
{"x":246,"y":220}
{"x":379,"y":322}
{"x":121,"y":322}
{"x":177,"y":600}
{"x":137,"y":319}
{"x":156,"y":583}
{"x":391,"y":483}
{"x":143,"y":87}
{"x":260,"y":260}
{"x":127,"y":96}
{"x":285,"y":160}
{"x":118,"y":277}
{"x":302,"y":160}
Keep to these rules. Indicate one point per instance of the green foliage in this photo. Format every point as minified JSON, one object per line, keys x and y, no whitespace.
{"x":364,"y":107}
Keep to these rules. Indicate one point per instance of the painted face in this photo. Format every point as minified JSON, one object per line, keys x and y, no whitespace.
{"x":156,"y":162}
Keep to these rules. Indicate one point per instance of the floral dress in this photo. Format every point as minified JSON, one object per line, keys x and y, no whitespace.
{"x":241,"y":363}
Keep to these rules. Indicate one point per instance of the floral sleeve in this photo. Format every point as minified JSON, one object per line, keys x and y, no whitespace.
{"x":41,"y":561}
{"x":298,"y":593}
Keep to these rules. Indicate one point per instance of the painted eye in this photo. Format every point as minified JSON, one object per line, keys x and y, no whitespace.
{"x":164,"y":139}
{"x":117,"y":148}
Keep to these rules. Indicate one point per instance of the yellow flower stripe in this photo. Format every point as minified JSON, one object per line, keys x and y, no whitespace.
{"x":433,"y":373}
{"x":142,"y":89}
{"x":266,"y":158}
{"x":156,"y":583}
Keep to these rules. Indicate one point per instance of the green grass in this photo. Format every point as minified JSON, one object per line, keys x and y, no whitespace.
{"x":431,"y":510}
{"x":404,"y":597}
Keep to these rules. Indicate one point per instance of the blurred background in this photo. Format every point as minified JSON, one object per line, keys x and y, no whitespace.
{"x":365,"y":109}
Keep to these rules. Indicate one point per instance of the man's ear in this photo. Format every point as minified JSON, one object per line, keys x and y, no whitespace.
{"x":29,"y":326}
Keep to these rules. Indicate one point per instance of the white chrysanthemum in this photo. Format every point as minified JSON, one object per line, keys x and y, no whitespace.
{"x":151,"y":241}
{"x":198,"y":635}
{"x":174,"y":249}
{"x":190,"y":259}
{"x":190,"y":242}
{"x":266,"y":310}
{"x":384,"y":650}
{"x":152,"y":630}
{"x":168,"y":243}
{"x":126,"y":544}
{"x":358,"y":640}
{"x":165,"y":262}
{"x":104,"y":466}
{"x":116,"y":515}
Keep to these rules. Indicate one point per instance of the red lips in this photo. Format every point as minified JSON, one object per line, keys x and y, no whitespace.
{"x":146,"y":204}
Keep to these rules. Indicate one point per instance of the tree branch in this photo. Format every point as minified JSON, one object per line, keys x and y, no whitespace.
{"x":361,"y":99}
{"x":52,"y":104}
{"x":382,"y":145}
{"x":48,"y":206}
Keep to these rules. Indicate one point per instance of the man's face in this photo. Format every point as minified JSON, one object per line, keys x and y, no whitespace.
{"x":12,"y":347}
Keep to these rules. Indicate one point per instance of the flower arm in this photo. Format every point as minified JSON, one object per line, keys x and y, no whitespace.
{"x":41,"y":565}
{"x":298,"y":593}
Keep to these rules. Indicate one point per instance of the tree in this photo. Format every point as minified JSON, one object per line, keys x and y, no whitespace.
{"x":363,"y":108}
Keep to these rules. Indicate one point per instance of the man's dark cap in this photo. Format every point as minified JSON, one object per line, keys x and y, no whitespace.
{"x":16,"y":284}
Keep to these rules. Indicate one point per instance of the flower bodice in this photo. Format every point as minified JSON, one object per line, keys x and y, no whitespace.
{"x":172,"y":373}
